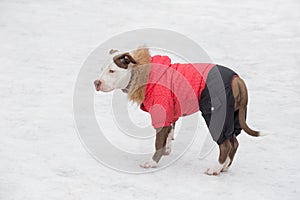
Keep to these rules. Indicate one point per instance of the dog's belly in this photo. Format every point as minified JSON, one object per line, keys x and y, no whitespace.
{"x":186,"y":107}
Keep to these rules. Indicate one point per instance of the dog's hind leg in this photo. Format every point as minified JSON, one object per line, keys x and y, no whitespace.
{"x":235,"y":145}
{"x":224,"y":159}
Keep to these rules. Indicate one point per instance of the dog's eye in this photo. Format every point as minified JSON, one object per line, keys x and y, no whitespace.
{"x":125,"y":60}
{"x":111,"y":71}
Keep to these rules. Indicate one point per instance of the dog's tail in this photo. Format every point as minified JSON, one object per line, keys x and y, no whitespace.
{"x":242,"y":110}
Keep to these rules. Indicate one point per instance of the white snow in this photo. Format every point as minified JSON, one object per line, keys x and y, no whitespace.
{"x":42,"y":47}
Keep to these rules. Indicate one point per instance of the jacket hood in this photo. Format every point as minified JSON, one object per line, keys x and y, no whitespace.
{"x":162,"y":60}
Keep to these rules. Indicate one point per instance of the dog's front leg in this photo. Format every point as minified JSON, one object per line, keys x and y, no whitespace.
{"x":170,"y":140}
{"x":160,"y":147}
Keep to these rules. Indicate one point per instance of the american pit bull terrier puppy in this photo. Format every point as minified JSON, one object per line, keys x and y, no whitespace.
{"x":168,"y":91}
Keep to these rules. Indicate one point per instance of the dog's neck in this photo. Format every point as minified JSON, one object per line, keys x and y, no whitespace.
{"x":136,"y":88}
{"x":126,"y":89}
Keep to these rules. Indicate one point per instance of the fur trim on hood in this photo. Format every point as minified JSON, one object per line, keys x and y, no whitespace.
{"x":140,"y":74}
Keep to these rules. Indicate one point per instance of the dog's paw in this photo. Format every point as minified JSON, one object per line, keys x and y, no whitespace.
{"x":149,"y":164}
{"x":218,"y":168}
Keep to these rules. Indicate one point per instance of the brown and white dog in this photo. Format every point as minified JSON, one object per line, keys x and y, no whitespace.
{"x":130,"y":71}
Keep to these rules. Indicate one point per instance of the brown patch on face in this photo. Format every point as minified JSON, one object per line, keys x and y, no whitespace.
{"x":123,"y":60}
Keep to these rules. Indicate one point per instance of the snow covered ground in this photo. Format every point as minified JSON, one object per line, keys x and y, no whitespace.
{"x":42,"y":47}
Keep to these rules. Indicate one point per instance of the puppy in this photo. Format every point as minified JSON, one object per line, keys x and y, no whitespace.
{"x":169,"y":91}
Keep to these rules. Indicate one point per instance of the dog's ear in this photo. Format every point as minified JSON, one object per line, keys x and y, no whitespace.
{"x":112,"y":51}
{"x":123,"y":60}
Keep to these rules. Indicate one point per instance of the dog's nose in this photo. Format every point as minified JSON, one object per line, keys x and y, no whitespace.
{"x":97,"y":84}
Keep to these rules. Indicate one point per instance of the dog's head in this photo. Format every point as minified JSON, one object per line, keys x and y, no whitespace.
{"x":117,"y":74}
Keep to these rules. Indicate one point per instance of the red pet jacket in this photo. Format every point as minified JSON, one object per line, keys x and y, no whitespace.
{"x":173,"y":90}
